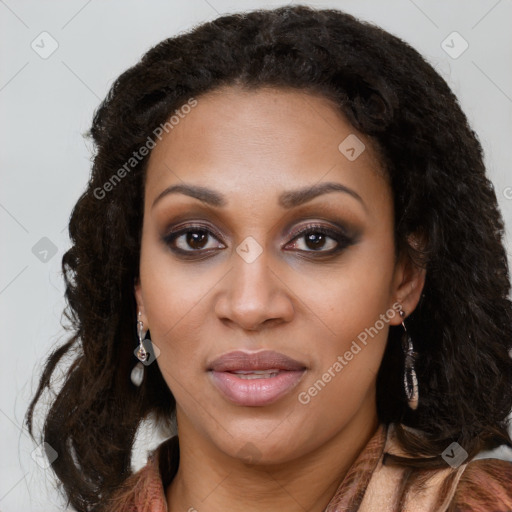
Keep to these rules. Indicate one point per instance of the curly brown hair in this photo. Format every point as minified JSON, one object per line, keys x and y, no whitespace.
{"x":462,"y":327}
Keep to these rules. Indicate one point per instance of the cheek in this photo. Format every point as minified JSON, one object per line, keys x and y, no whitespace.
{"x":172,"y":290}
{"x":352,"y":309}
{"x":172,"y":299}
{"x":344,"y":300}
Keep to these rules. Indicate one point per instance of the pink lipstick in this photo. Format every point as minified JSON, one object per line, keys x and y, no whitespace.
{"x":257,"y":378}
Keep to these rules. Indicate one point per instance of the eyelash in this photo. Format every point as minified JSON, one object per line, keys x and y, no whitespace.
{"x":343,"y":241}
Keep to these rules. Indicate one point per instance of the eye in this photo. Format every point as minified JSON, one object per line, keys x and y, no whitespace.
{"x":318,"y":238}
{"x":191,"y":239}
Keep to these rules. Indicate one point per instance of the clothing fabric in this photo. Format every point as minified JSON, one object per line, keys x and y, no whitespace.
{"x":483,"y":485}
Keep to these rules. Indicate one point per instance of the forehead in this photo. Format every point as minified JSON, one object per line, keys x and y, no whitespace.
{"x":260,"y":141}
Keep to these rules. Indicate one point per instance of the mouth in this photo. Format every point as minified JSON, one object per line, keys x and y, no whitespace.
{"x":256,"y":374}
{"x":255,"y":379}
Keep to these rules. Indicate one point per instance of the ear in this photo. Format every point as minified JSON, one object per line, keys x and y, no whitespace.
{"x":408,"y":281}
{"x":140,"y":303}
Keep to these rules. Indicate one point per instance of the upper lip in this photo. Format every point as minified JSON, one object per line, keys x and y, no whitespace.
{"x":246,"y":361}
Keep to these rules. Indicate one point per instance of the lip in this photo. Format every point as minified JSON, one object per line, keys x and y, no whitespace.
{"x":259,"y":391}
{"x":263,"y":360}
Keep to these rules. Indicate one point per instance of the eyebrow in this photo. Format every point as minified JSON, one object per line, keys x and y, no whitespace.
{"x":287,"y":200}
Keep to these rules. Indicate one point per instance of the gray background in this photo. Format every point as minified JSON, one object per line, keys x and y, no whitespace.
{"x":47,"y":103}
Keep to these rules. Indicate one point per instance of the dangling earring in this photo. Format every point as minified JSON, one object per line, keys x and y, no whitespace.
{"x":137,"y":374}
{"x":410,"y":379}
{"x":142,"y":354}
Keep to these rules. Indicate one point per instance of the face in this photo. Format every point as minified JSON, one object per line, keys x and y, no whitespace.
{"x":273,"y":239}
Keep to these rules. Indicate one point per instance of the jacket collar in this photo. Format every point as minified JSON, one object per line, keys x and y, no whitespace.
{"x":369,"y":484}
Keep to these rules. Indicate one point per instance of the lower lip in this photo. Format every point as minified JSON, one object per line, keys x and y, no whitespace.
{"x":255,"y":392}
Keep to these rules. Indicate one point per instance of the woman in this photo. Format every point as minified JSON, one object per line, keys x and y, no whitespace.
{"x":289,"y":245}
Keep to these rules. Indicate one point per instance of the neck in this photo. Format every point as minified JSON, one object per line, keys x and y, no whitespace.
{"x":208,"y":479}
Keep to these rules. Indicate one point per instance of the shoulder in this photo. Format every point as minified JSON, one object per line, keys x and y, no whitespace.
{"x":484,"y":486}
{"x":145,"y":489}
{"x":142,"y":490}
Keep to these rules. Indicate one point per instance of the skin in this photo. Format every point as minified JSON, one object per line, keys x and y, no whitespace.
{"x":251,"y":147}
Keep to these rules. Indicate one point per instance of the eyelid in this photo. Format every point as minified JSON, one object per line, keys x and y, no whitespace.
{"x":191,"y":225}
{"x":330,"y":231}
{"x":342,"y":239}
{"x":184,"y":227}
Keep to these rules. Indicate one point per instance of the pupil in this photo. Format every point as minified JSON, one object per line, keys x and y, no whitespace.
{"x":196,"y":239}
{"x":315,"y":240}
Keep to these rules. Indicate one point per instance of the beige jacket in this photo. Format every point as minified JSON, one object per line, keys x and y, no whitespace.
{"x":483,"y":485}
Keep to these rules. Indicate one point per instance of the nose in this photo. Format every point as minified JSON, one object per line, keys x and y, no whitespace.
{"x":254,"y":296}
